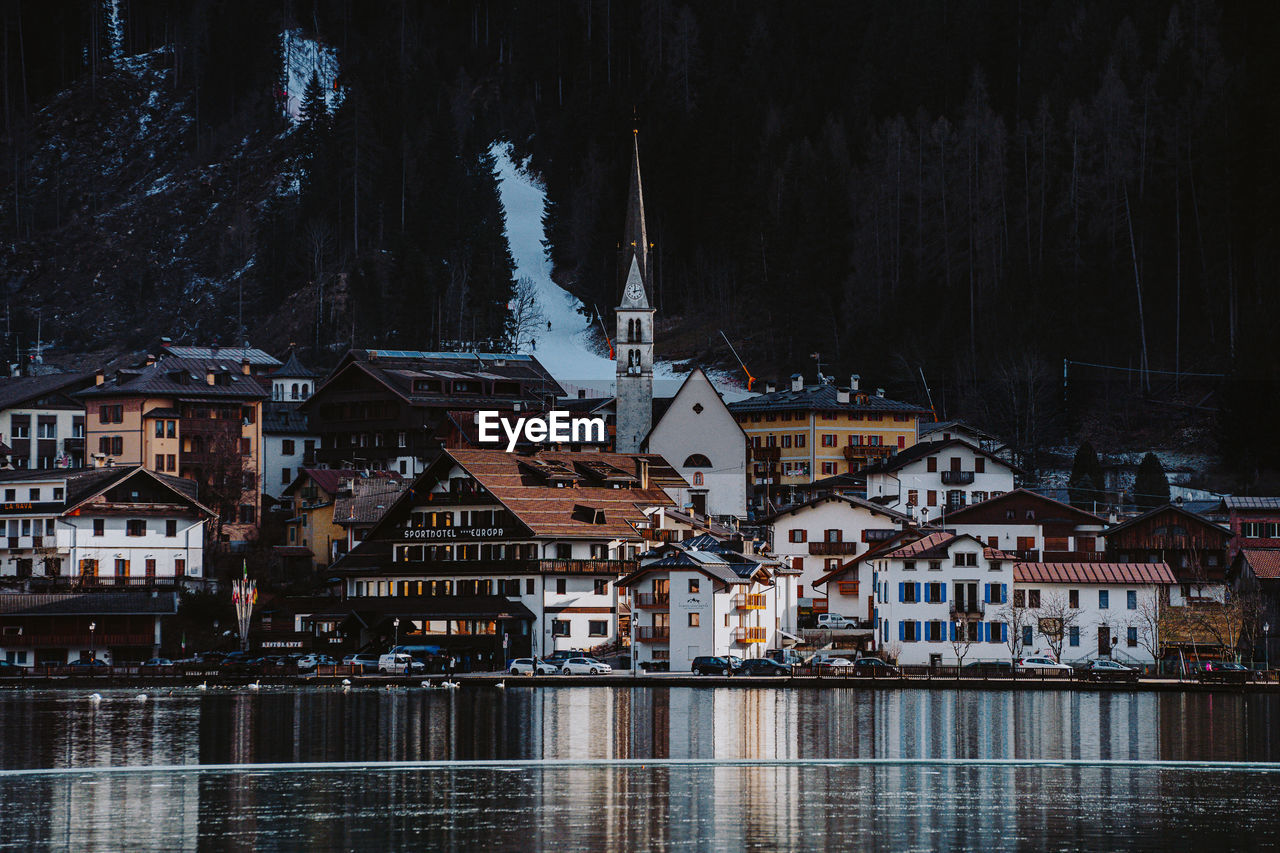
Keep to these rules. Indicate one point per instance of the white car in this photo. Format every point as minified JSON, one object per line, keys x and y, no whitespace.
{"x":835,"y":662}
{"x":1041,"y":665}
{"x":584,"y":666}
{"x":399,"y":664}
{"x":524,"y":666}
{"x":836,"y":621}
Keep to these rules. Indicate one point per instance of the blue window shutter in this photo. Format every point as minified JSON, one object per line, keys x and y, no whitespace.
{"x":986,"y":591}
{"x":1004,"y":633}
{"x":942,"y":593}
{"x":902,"y":630}
{"x":917,"y":592}
{"x":902,"y":595}
{"x":953,"y":632}
{"x":1002,"y":593}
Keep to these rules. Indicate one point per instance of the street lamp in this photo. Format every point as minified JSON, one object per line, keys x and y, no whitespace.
{"x":93,"y":652}
{"x":396,"y":623}
{"x":1266,"y":642}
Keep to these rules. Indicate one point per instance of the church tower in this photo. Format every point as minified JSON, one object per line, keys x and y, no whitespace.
{"x":634,"y":336}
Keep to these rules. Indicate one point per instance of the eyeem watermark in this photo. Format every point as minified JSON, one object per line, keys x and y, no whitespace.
{"x":555,"y":427}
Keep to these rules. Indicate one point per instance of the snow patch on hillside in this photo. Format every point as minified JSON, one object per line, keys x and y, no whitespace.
{"x":302,"y":58}
{"x":569,"y":349}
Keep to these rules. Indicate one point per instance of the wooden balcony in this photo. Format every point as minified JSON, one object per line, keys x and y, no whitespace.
{"x":652,"y":600}
{"x":653,"y":633}
{"x":750,"y":635}
{"x":833,"y":549}
{"x":957,"y":478}
{"x":868,"y":452}
{"x":766,"y":454}
{"x":749,"y":601}
{"x":1074,"y":557}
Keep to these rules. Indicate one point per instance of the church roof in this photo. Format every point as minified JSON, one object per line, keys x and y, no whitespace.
{"x":294,"y":369}
{"x":635,"y":235}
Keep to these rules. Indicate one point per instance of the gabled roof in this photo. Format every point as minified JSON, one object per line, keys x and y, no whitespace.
{"x":16,"y":391}
{"x":1093,"y":573}
{"x":85,"y":484}
{"x":1174,"y":508}
{"x":1057,"y":510}
{"x":925,"y":449}
{"x":936,"y":544}
{"x":1265,"y":562}
{"x":945,"y":426}
{"x":877,"y":550}
{"x":822,"y":398}
{"x":1235,"y":502}
{"x":329,"y":480}
{"x":370,"y":502}
{"x":851,"y":500}
{"x":223,"y":354}
{"x":661,"y":405}
{"x":180,"y":377}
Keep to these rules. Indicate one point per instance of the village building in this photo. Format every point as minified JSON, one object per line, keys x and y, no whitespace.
{"x":195,"y":412}
{"x":1255,"y":574}
{"x":72,"y":531}
{"x":391,"y":409}
{"x":818,"y":537}
{"x":287,"y":444}
{"x":942,"y":600}
{"x":700,"y":597}
{"x":1081,"y":611}
{"x":545,"y":533}
{"x":62,"y":627}
{"x":698,"y":437}
{"x":933,"y":479}
{"x":1033,"y":527}
{"x":811,"y":432}
{"x":41,"y":423}
{"x":1254,"y":522}
{"x":1193,"y":547}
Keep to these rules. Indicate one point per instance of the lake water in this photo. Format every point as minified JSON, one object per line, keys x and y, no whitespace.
{"x":603,"y":768}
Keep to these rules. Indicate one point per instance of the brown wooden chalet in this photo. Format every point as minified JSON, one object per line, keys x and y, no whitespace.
{"x":1066,"y":534}
{"x":1194,"y":547}
{"x":381,"y":408}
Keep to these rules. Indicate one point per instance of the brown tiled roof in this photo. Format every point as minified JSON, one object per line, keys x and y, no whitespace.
{"x":996,"y":554}
{"x":922,"y":547}
{"x":550,"y":511}
{"x":1117,"y":573}
{"x":370,"y":503}
{"x":1265,"y":562}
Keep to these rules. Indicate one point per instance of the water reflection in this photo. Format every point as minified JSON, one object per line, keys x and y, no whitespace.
{"x":722,"y":807}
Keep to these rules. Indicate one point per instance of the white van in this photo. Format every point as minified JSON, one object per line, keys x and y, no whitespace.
{"x":835,"y":621}
{"x":399,"y":663}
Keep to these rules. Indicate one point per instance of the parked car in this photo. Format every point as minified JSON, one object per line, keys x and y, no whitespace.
{"x":763,"y":666}
{"x":1040,"y":665}
{"x":708,"y":665}
{"x":157,"y":662}
{"x":1106,"y":670}
{"x":834,"y":621}
{"x":655,"y":665}
{"x":526,"y":666}
{"x":584,"y":666}
{"x":828,"y":663}
{"x":9,"y":669}
{"x":785,"y":656}
{"x":399,"y":663}
{"x":308,"y":663}
{"x":559,"y":657}
{"x":875,"y":668}
{"x":363,"y":663}
{"x":87,"y":665}
{"x":1224,"y":671}
{"x":734,"y":661}
{"x":987,"y":668}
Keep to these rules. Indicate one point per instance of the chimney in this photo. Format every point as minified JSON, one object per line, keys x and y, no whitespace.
{"x":769,"y":388}
{"x":244,"y":366}
{"x":642,"y":471}
{"x":99,"y":460}
{"x":208,"y":375}
{"x":842,"y":395}
{"x":151,"y":359}
{"x":853,"y":382}
{"x":582,"y":393}
{"x":99,"y":377}
{"x":797,"y":382}
{"x":879,"y":392}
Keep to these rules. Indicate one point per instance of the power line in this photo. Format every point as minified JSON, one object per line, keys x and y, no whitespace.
{"x":1140,"y":370}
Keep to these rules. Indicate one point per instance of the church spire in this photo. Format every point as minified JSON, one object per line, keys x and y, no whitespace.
{"x":635,"y":237}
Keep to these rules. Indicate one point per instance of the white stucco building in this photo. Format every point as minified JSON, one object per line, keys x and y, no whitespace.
{"x":698,"y":437}
{"x":700,"y":598}
{"x":287,"y":444}
{"x":41,"y":423}
{"x":934,"y":478}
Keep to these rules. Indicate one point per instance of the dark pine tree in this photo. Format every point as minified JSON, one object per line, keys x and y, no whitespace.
{"x":1086,"y":486}
{"x":1151,"y":486}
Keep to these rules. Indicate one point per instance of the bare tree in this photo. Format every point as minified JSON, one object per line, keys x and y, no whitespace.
{"x":960,"y":642}
{"x":1056,"y":617}
{"x":1150,"y":612}
{"x":525,"y":313}
{"x":1015,"y":616}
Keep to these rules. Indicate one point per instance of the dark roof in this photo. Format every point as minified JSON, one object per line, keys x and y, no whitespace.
{"x":1063,"y":512}
{"x":943,"y":426}
{"x":293,"y":368}
{"x":1199,"y":519}
{"x":588,"y":405}
{"x":923,"y":449}
{"x":1111,"y":573}
{"x":838,"y":481}
{"x":89,"y":603}
{"x":398,"y":369}
{"x":223,"y":354}
{"x":823,"y":398}
{"x":851,"y":500}
{"x":17,"y":390}
{"x":329,"y":480}
{"x":1233,"y":502}
{"x":283,"y":418}
{"x":84,"y":483}
{"x":370,"y":503}
{"x":180,"y":377}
